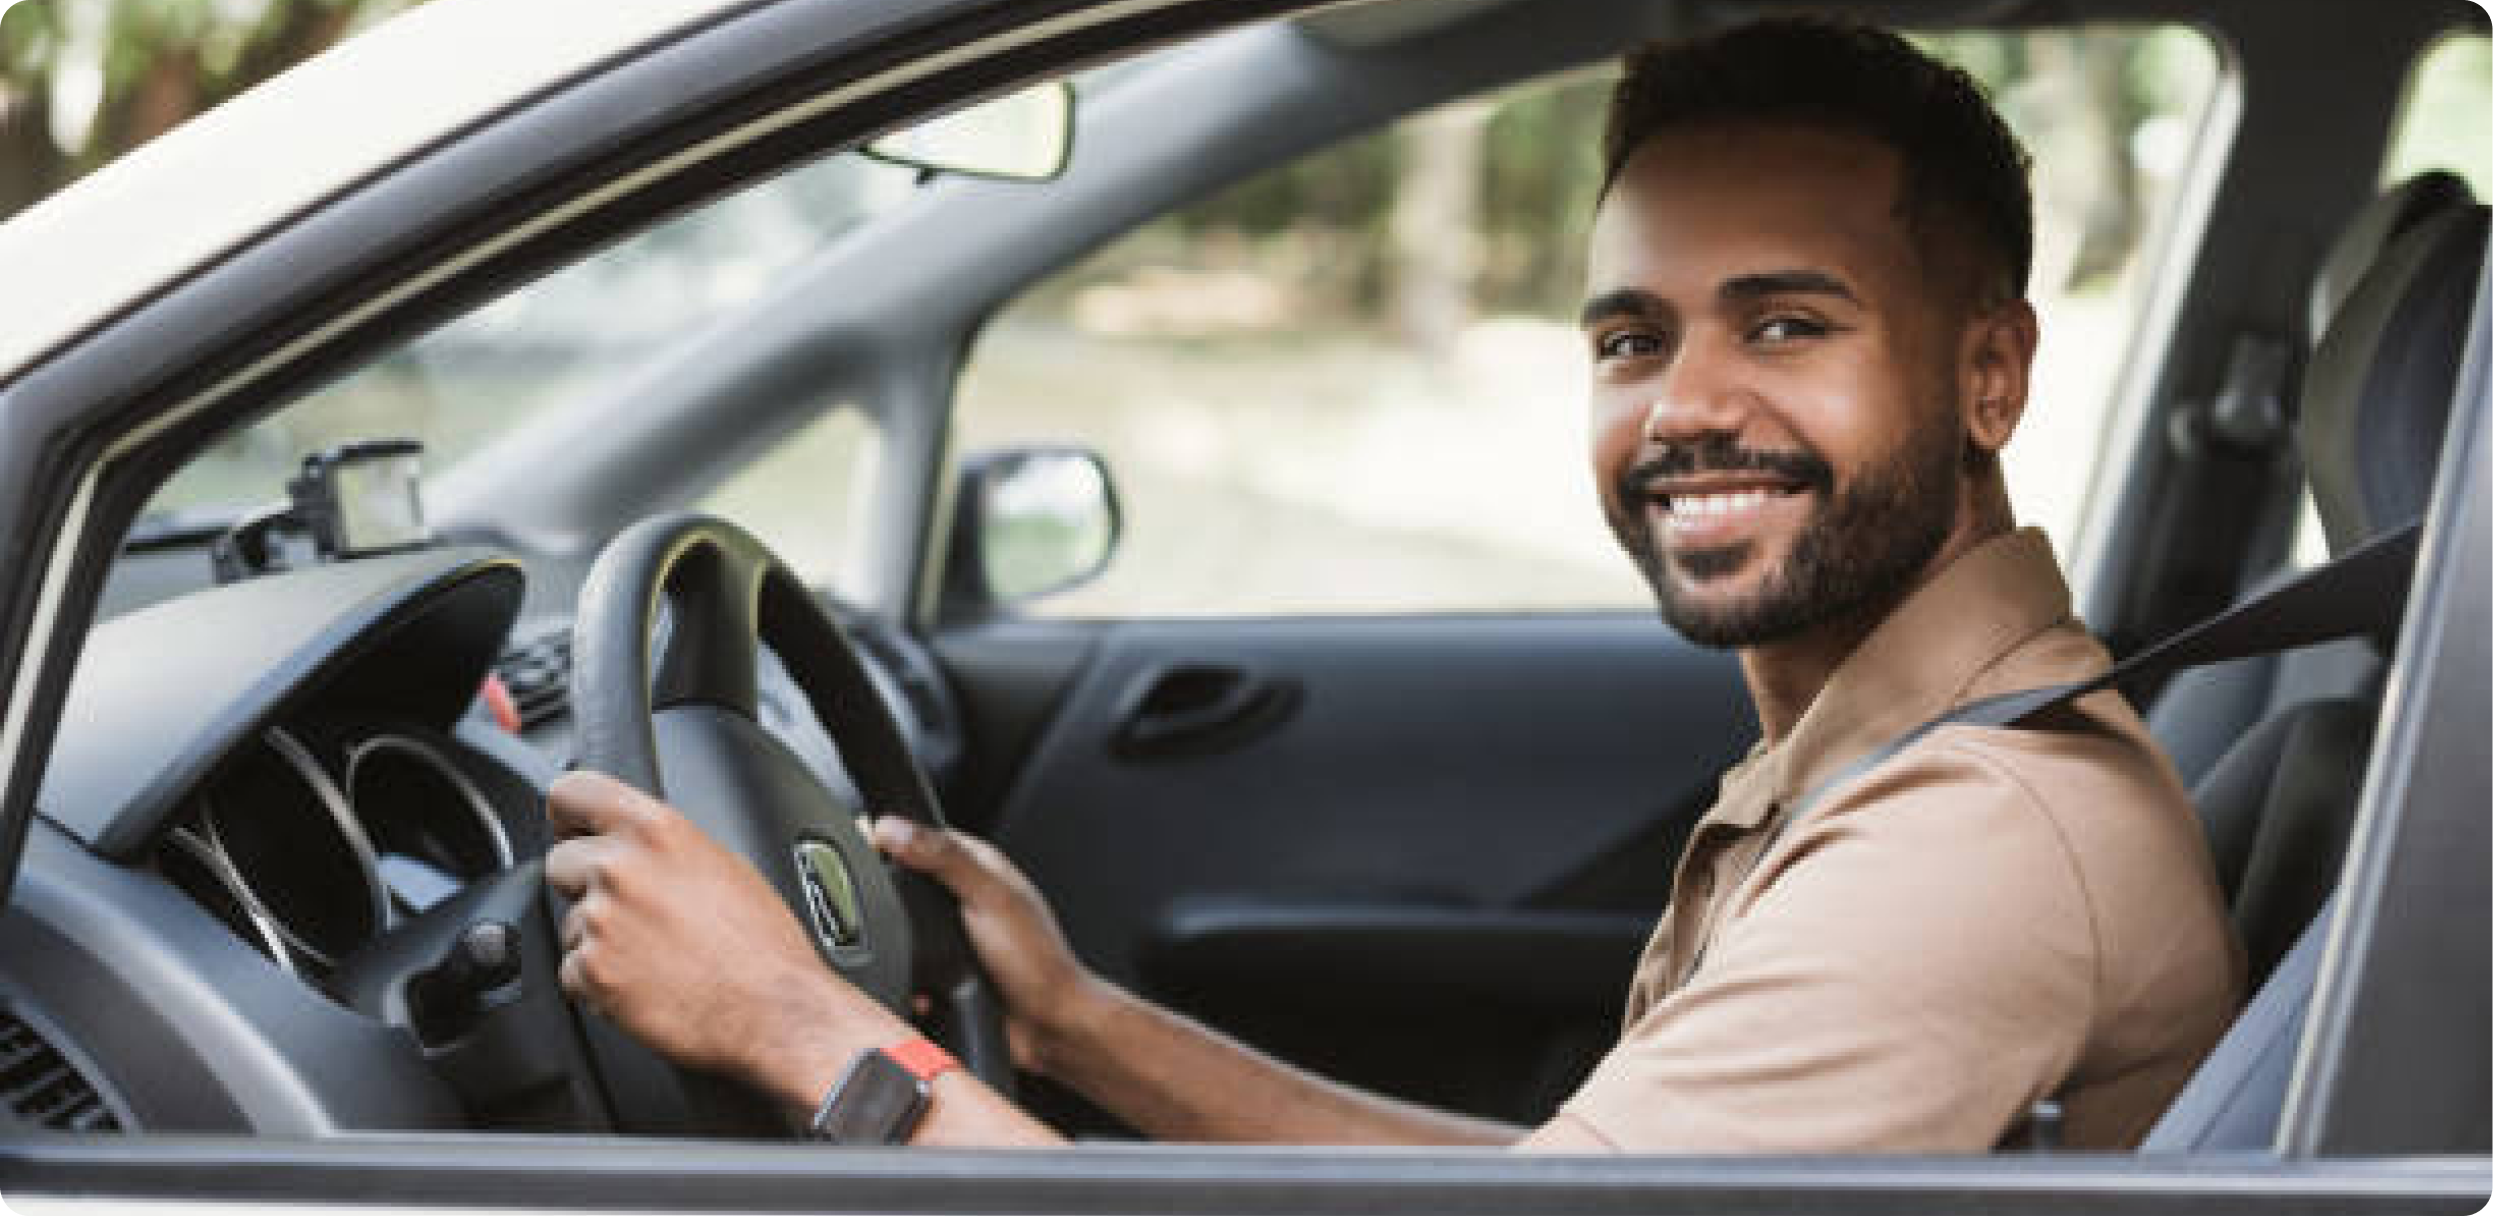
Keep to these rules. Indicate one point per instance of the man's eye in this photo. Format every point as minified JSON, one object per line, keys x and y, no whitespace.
{"x":1627,"y":344}
{"x":1785,"y":329}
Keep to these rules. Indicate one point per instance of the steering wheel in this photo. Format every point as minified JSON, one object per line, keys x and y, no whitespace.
{"x":694,"y":595}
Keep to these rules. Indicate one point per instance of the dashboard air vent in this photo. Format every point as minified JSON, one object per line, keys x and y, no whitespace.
{"x":537,"y":670}
{"x":43,"y":1088}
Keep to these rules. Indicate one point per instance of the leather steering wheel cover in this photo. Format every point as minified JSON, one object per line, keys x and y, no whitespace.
{"x":610,"y":701}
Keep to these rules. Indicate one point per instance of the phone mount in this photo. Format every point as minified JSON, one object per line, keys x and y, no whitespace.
{"x":354,"y":500}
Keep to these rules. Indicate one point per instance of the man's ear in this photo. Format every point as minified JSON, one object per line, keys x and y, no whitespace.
{"x":1994,"y":369}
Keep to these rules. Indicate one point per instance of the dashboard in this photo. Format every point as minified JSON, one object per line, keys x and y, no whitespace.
{"x":272,"y":807}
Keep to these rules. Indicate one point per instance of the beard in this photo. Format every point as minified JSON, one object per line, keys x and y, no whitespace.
{"x":1858,"y":553}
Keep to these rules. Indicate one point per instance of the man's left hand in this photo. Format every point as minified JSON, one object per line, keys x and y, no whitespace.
{"x":685,"y":945}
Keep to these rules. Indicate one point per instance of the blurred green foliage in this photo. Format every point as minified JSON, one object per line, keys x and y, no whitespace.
{"x":1335,"y":227}
{"x":2448,"y":111}
{"x":83,"y":81}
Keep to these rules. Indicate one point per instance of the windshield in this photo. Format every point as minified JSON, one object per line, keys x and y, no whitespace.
{"x":466,"y":384}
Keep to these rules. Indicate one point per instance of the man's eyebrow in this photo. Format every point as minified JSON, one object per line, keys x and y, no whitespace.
{"x":1784,"y":283}
{"x":1624,"y":302}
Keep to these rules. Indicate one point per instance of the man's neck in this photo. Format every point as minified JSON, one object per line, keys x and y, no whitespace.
{"x":1785,"y":676}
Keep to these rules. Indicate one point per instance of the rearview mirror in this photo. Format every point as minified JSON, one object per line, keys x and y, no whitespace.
{"x":1024,"y":137}
{"x":1027,"y":522}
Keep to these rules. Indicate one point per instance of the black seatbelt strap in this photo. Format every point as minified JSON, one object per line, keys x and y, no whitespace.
{"x":2361,"y":592}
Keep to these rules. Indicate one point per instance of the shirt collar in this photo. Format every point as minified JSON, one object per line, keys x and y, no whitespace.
{"x":1914,"y":666}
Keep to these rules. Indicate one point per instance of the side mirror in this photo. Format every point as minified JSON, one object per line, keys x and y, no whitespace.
{"x":1026,"y":523}
{"x":1023,"y":137}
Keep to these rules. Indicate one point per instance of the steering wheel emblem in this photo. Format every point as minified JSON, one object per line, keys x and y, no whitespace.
{"x":832,"y":896}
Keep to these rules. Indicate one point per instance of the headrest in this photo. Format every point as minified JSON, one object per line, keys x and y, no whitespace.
{"x":2376,"y":398}
{"x":2380,"y":221}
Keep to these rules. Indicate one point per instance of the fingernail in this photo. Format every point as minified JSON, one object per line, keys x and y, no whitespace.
{"x":900,"y":832}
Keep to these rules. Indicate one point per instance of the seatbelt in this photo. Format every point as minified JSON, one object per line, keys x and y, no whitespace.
{"x":2361,"y":592}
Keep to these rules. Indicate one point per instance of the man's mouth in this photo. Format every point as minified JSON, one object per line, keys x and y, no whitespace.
{"x":1706,"y":501}
{"x":1716,"y":496}
{"x":1709,"y":513}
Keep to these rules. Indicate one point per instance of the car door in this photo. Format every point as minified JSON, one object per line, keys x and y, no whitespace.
{"x":1415,"y":854}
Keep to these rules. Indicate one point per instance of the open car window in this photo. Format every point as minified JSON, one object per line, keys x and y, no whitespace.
{"x":579,"y":333}
{"x":1308,"y":385}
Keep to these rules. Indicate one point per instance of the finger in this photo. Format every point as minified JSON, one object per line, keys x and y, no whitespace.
{"x":586,"y":803}
{"x":580,"y":923}
{"x":575,"y":980}
{"x":573,"y":866}
{"x":931,"y":851}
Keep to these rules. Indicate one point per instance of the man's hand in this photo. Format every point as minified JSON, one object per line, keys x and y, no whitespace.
{"x":1048,"y":995}
{"x":684,"y":945}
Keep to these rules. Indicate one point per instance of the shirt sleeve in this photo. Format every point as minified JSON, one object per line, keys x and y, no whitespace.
{"x":1909,"y":970}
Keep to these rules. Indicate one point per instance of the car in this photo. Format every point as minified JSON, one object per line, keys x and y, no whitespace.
{"x":390,"y":437}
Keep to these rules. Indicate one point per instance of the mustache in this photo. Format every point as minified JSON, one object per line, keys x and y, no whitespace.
{"x":1718,"y":454}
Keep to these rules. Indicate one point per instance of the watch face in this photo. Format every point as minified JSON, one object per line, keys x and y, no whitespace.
{"x":877,"y":1101}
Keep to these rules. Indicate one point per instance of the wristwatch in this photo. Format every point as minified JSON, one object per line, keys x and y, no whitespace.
{"x":884,"y":1093}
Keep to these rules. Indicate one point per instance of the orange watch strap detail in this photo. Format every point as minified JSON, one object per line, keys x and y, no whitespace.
{"x":922,"y":1058}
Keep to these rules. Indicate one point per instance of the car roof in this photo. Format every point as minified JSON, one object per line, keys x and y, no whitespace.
{"x":285,"y":145}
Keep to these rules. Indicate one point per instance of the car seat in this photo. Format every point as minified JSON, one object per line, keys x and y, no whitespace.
{"x":2281,"y":801}
{"x":2204,"y":712}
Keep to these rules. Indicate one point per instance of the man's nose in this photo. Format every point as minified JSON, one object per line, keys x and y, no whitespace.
{"x":1701,"y":393}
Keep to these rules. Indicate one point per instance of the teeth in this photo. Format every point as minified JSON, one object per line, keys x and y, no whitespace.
{"x":1706,"y":506}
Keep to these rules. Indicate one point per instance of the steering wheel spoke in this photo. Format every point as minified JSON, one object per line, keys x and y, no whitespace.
{"x":706,"y":654}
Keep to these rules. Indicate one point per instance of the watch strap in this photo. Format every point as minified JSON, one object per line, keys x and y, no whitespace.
{"x":922,"y":1058}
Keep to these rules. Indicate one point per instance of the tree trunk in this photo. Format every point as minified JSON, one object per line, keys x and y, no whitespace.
{"x":1433,"y":231}
{"x":2086,"y":193}
{"x":2113,"y":227}
{"x":30,"y":167}
{"x":302,"y":30}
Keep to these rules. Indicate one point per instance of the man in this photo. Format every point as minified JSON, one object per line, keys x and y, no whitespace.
{"x":1809,"y":343}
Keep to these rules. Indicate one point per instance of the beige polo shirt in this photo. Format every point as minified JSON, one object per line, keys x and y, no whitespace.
{"x":1988,"y":918}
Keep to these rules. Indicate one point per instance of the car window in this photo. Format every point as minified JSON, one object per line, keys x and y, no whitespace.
{"x":808,"y":497}
{"x":2441,"y":124}
{"x":1353,"y":384}
{"x":485,"y":374}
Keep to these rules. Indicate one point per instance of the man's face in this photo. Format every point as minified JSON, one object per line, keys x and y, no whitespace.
{"x":1775,"y":432}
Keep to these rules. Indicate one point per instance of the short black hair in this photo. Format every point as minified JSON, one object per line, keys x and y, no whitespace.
{"x":1962,"y":167}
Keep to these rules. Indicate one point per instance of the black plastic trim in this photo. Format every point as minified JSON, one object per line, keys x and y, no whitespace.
{"x":1465,"y":956}
{"x":196,"y":1030}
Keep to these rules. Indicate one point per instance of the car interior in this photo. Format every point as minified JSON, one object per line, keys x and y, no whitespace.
{"x":281,"y":881}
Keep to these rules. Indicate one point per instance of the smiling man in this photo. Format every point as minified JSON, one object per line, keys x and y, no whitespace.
{"x":1809,"y":339}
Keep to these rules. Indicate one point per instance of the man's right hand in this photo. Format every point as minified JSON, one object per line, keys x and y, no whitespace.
{"x":1048,"y":995}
